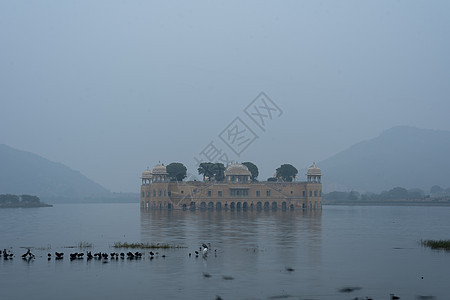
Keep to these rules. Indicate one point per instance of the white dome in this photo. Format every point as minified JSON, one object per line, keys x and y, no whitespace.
{"x":237,"y":170}
{"x":159,"y":169}
{"x":314,"y":170}
{"x":147,"y":174}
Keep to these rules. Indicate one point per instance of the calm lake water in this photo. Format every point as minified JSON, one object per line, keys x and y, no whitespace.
{"x":374,"y":249}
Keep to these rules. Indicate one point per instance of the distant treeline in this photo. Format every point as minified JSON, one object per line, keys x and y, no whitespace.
{"x":397,"y":193}
{"x":110,"y":198}
{"x":8,"y":200}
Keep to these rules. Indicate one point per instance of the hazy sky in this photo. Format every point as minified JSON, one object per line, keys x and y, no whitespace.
{"x":111,"y":87}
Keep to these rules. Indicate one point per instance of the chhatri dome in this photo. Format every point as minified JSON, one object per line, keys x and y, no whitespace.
{"x":314,"y":174}
{"x":237,"y":170}
{"x":237,"y":173}
{"x":314,"y":170}
{"x":159,"y":169}
{"x":147,"y":174}
{"x":146,"y":177}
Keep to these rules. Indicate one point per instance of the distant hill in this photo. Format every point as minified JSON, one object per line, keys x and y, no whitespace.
{"x":27,"y":173}
{"x":401,"y":156}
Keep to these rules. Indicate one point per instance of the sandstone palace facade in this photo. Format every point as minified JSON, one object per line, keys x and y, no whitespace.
{"x":235,"y":192}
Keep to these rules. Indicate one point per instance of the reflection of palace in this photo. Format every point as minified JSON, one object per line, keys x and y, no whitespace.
{"x":235,"y":192}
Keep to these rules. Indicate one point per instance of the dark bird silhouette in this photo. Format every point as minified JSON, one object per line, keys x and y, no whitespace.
{"x":206,"y":275}
{"x":122,"y":255}
{"x":7,"y":255}
{"x":394,"y":297}
{"x":28,"y":254}
{"x":59,"y":255}
{"x":289,"y":269}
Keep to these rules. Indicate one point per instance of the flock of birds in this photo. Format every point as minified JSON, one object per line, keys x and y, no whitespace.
{"x":203,"y":250}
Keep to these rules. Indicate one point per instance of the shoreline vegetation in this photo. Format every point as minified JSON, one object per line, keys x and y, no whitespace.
{"x":395,"y":196}
{"x":397,"y":202}
{"x":22,"y":201}
{"x":145,"y":246}
{"x":436,"y":244}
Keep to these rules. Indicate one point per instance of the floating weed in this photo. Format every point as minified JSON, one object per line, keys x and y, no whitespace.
{"x":145,"y":245}
{"x":436,"y":244}
{"x":41,"y":248}
{"x":84,"y":245}
{"x":349,"y":289}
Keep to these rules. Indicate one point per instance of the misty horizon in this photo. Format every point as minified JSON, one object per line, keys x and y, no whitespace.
{"x":110,"y":89}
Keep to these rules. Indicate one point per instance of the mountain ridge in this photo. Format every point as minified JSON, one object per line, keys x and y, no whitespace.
{"x":400,"y":156}
{"x":25,"y":172}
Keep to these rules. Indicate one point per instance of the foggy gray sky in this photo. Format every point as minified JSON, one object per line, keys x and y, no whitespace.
{"x":111,"y":87}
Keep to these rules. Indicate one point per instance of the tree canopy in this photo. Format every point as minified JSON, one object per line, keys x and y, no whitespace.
{"x":8,"y":200}
{"x":176,"y":171}
{"x":396,"y":193}
{"x":212,"y":171}
{"x":206,"y":169}
{"x":253,"y":169}
{"x":287,"y":172}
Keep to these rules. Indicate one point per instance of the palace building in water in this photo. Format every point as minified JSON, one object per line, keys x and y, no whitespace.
{"x":237,"y":191}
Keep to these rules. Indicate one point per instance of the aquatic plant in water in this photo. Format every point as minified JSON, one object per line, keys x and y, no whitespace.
{"x":436,"y":244}
{"x":144,"y":245}
{"x":84,"y":245}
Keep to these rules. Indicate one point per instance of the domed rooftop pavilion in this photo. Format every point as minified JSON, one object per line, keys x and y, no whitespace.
{"x":146,"y":177}
{"x":237,"y":173}
{"x":159,"y":172}
{"x":314,"y":173}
